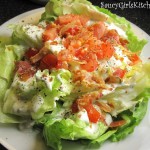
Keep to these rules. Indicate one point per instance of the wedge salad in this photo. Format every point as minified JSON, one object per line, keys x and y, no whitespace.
{"x":75,"y":75}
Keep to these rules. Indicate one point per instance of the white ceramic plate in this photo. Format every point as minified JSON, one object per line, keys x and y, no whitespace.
{"x":15,"y":139}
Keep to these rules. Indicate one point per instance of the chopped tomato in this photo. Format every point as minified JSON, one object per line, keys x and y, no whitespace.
{"x":119,"y":72}
{"x":31,"y":52}
{"x":89,"y":59}
{"x":49,"y":61}
{"x":50,"y":34}
{"x":106,"y":51}
{"x":73,"y":30}
{"x":65,"y":19}
{"x":93,"y":114}
{"x":98,"y":29}
{"x":117,"y":123}
{"x":85,"y":102}
{"x":91,"y":63}
{"x":24,"y":70}
{"x":134,"y":58}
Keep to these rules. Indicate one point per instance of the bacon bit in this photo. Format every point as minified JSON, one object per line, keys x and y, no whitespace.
{"x":124,"y":42}
{"x":113,"y":79}
{"x":39,"y":55}
{"x":98,"y":80}
{"x":31,"y":52}
{"x":74,"y":107}
{"x":104,"y":106}
{"x":24,"y":70}
{"x":111,"y":104}
{"x":117,"y":123}
{"x":26,"y":75}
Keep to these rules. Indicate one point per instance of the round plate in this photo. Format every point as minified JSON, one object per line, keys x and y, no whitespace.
{"x":12,"y":137}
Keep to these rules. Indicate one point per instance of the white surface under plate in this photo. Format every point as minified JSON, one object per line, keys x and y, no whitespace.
{"x":32,"y":140}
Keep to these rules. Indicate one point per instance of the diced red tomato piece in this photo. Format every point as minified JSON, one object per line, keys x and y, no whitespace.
{"x":98,"y":29}
{"x":90,"y":66}
{"x":31,"y":52}
{"x":119,"y":72}
{"x":91,"y":63}
{"x":50,"y":34}
{"x":24,"y":70}
{"x":93,"y":114}
{"x":73,"y":31}
{"x":107,"y":49}
{"x":65,"y":19}
{"x":68,"y":18}
{"x":134,"y":58}
{"x":49,"y":61}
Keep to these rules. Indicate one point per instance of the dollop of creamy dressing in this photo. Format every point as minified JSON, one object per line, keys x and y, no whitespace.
{"x":45,"y":77}
{"x":33,"y":31}
{"x":37,"y":101}
{"x":92,"y":127}
{"x":108,"y":119}
{"x":83,"y":116}
{"x":55,"y":46}
{"x":24,"y":85}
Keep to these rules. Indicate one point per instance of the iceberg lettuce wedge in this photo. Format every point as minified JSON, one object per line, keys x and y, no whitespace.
{"x":38,"y":95}
{"x":28,"y":35}
{"x":71,"y":128}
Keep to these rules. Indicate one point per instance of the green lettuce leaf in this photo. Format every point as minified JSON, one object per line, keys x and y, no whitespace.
{"x":56,"y":8}
{"x":27,"y":35}
{"x":6,"y":118}
{"x":7,"y":62}
{"x":124,"y":96}
{"x":38,"y":95}
{"x":71,"y":128}
{"x":8,"y":55}
{"x":132,"y":118}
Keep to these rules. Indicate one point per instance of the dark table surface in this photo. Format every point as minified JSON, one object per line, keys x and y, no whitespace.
{"x":132,"y":10}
